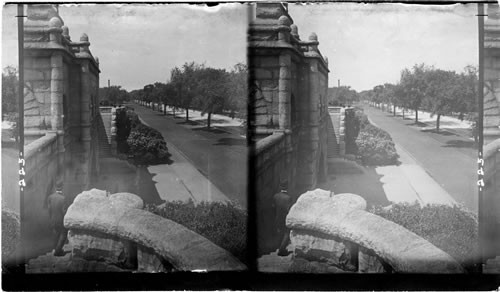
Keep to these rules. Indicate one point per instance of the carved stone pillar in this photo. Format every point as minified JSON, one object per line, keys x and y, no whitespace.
{"x":85,"y":120}
{"x":284,"y":91}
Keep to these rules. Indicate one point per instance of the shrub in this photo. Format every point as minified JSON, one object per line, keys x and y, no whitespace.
{"x":376,"y":147}
{"x":353,"y":126}
{"x":223,"y":224}
{"x":452,"y":229}
{"x":123,"y":128}
{"x":147,"y":144}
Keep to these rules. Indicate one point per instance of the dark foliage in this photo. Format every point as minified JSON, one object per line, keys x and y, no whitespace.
{"x":223,"y":224}
{"x":144,"y":143}
{"x":147,"y":145}
{"x":452,"y":229}
{"x":372,"y":144}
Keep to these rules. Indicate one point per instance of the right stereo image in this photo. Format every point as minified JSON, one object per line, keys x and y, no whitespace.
{"x":374,"y":136}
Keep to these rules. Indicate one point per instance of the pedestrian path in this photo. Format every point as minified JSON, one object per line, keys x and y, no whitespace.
{"x":446,"y":122}
{"x":442,"y":165}
{"x":181,"y":181}
{"x":219,"y":121}
{"x":410,"y":183}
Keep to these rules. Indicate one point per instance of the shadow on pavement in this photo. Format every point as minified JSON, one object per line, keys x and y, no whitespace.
{"x":118,"y":175}
{"x":191,"y":123}
{"x":366,"y":185}
{"x":145,"y":186}
{"x":441,"y":132}
{"x":461,"y":144}
{"x":152,"y":161}
{"x":211,"y":130}
{"x":231,"y":142}
{"x":418,"y":124}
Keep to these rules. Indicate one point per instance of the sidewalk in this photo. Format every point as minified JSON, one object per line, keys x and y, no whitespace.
{"x":181,"y":181}
{"x":218,"y":121}
{"x":409,"y":183}
{"x":448,"y":123}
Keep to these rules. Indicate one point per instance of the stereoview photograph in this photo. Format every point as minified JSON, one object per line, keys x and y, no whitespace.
{"x":134,"y":138}
{"x":364,"y":121}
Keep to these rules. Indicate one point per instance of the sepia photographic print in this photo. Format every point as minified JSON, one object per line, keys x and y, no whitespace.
{"x":250,"y":146}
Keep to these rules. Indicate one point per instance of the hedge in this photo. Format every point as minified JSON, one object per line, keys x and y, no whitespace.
{"x":374,"y":145}
{"x":222,"y":223}
{"x":452,"y":229}
{"x":143,"y":142}
{"x":147,"y":145}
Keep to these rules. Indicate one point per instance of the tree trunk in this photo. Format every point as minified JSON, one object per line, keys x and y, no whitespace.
{"x":173,"y":111}
{"x":437,"y":122}
{"x":208,"y":119}
{"x":394,"y":110}
{"x":416,"y":115}
{"x":164,"y":109}
{"x":403,"y":113}
{"x":187,"y":114}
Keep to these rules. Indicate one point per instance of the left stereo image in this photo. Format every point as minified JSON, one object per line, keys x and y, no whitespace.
{"x":133,"y":153}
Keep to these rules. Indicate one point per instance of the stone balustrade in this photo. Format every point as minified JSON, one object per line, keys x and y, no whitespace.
{"x":114,"y":228}
{"x":336,"y":230}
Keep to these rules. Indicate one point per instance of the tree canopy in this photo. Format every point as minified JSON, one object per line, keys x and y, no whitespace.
{"x":203,"y":88}
{"x":422,"y":87}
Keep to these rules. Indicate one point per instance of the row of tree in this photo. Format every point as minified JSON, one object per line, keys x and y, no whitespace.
{"x":196,"y":86}
{"x":437,"y":91}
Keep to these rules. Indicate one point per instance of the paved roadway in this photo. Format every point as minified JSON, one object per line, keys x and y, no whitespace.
{"x":219,"y":155}
{"x":449,"y":159}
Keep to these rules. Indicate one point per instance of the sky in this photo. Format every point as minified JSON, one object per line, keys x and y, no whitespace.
{"x":369,"y":44}
{"x":366,"y":44}
{"x":139,"y":44}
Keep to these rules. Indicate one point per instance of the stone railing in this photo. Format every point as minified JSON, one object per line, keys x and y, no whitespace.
{"x":269,"y":148}
{"x":115,"y":228}
{"x":336,"y":230}
{"x":491,"y":200}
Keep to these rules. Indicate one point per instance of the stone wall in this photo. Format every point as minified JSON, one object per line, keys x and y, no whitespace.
{"x":335,"y":230}
{"x":288,"y":96}
{"x":271,"y":167}
{"x":115,"y":229}
{"x":41,"y":165}
{"x":61,"y":113}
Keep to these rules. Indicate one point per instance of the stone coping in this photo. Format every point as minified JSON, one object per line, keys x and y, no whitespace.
{"x":36,"y":146}
{"x":121,"y":215}
{"x":343,"y":216}
{"x":269,"y":141}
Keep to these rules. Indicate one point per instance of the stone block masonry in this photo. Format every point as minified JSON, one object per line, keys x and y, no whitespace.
{"x":288,"y":98}
{"x":61,"y":114}
{"x":114,"y":223}
{"x":336,"y":230}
